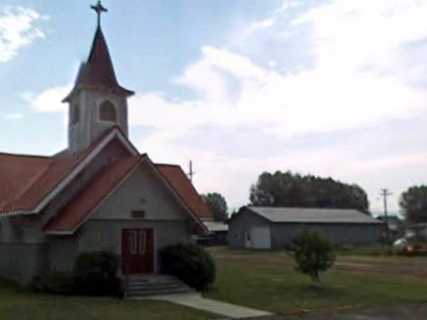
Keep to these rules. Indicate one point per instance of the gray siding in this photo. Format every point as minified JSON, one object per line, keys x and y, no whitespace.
{"x":106,"y":235}
{"x":240,"y":225}
{"x":282,"y":234}
{"x":358,"y":234}
{"x":21,"y":262}
{"x":62,"y":252}
{"x":142,"y":191}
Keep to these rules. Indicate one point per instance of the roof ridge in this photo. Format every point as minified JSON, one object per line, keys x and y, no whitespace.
{"x":126,"y":174}
{"x":167,"y":165}
{"x":24,"y":155}
{"x":305,"y":208}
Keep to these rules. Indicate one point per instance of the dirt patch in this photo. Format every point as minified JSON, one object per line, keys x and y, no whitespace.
{"x":412,"y":312}
{"x":405,"y":267}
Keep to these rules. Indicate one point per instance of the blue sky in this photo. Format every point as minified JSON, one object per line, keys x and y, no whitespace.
{"x":333,"y":88}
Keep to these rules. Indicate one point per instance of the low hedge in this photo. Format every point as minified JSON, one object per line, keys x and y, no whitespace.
{"x":55,"y":282}
{"x":94,"y":273}
{"x":190,"y":263}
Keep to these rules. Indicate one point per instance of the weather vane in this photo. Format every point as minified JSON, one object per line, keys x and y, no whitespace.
{"x":99,"y":9}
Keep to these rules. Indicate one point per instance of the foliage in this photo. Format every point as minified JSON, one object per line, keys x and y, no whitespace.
{"x":313,"y":254}
{"x":413,"y":203}
{"x":54,"y":282}
{"x":218,"y":205}
{"x":285,"y":189}
{"x":96,"y":273}
{"x":190,"y":263}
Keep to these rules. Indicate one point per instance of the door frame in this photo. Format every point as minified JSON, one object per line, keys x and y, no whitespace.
{"x":155,"y":265}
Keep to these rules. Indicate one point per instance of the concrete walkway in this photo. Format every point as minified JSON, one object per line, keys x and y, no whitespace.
{"x":196,"y":301}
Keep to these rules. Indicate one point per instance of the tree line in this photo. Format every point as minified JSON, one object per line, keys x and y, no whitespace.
{"x":287,"y":189}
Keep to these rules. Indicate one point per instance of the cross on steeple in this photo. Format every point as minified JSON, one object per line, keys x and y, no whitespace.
{"x":99,"y":9}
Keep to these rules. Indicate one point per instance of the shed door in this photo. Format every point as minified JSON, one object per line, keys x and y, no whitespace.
{"x":137,"y":251}
{"x":260,"y":237}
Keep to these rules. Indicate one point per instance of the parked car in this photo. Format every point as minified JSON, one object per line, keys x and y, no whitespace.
{"x":409,"y":248}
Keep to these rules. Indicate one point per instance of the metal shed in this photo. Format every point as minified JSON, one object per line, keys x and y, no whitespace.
{"x":272,"y":227}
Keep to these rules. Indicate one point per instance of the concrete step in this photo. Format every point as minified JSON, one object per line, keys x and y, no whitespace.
{"x":157,"y":292}
{"x":155,"y":285}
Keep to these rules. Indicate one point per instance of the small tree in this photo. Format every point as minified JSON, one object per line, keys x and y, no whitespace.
{"x":313,"y":254}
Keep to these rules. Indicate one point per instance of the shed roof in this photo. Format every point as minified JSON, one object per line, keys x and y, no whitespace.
{"x":214,"y":226}
{"x":313,"y":215}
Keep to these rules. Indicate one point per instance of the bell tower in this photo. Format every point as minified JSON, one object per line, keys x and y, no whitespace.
{"x":97,"y":102}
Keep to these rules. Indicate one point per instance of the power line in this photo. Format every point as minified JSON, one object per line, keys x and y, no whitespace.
{"x":385,"y":193}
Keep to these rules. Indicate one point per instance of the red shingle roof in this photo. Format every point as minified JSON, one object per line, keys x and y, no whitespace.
{"x":17,"y":173}
{"x":183,"y":186}
{"x":26,"y":180}
{"x":79,"y":209}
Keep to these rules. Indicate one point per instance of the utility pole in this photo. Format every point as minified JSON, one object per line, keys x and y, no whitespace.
{"x":385,"y":194}
{"x":190,"y":171}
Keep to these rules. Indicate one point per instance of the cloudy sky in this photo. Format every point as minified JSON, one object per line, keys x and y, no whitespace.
{"x":333,"y":88}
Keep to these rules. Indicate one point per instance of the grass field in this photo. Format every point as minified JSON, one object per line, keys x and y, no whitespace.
{"x":264,"y":280}
{"x":267,"y":280}
{"x":16,"y":303}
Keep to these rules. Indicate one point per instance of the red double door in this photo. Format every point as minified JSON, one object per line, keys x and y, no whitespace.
{"x":137,"y":251}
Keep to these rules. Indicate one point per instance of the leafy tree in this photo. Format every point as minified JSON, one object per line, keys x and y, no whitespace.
{"x":285,"y":189}
{"x":413,"y":203}
{"x":218,"y":205}
{"x":313,"y":254}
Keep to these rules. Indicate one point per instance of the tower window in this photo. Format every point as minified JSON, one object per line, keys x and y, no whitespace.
{"x":107,"y":112}
{"x":75,"y":114}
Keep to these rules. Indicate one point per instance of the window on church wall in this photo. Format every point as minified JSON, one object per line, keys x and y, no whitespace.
{"x":107,"y":112}
{"x":75,"y":114}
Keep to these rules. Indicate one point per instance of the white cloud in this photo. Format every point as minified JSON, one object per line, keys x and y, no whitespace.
{"x":13,"y":116}
{"x":260,"y":25}
{"x":353,"y":34}
{"x":18,"y":28}
{"x":286,"y":5}
{"x":352,"y":84}
{"x":49,"y":100}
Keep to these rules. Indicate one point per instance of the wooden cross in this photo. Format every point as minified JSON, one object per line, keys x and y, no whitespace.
{"x":99,"y":9}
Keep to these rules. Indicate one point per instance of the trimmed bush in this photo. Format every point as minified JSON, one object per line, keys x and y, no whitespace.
{"x":190,"y":263}
{"x":96,"y":274}
{"x":313,"y":254}
{"x":54,"y":282}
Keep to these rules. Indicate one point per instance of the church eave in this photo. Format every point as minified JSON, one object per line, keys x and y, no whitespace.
{"x":119,"y":91}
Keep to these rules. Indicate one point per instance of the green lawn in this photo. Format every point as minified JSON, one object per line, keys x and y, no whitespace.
{"x":264,"y":280}
{"x":20,"y":304}
{"x":267,"y":280}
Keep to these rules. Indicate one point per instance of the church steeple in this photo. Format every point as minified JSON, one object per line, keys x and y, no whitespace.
{"x":97,"y":100}
{"x":98,"y":72}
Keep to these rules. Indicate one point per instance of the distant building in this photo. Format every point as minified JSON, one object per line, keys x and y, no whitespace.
{"x":396,"y":227}
{"x":217,"y":234}
{"x":417,"y":231}
{"x":273,"y":228}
